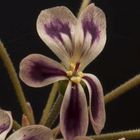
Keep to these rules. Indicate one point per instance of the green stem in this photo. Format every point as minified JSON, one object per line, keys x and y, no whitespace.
{"x":84,"y":4}
{"x":16,"y":125}
{"x":56,"y":131}
{"x":129,"y":134}
{"x":49,"y":104}
{"x":14,"y":79}
{"x":54,"y":111}
{"x":130,"y":84}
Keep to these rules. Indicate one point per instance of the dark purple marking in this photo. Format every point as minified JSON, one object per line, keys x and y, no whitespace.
{"x":41,"y":71}
{"x":30,"y":138}
{"x":89,"y":26}
{"x":56,"y":27}
{"x":3,"y":127}
{"x":94,"y":97}
{"x":73,"y":113}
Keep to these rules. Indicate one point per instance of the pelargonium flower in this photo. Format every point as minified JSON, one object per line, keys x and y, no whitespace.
{"x":76,"y":42}
{"x":33,"y":132}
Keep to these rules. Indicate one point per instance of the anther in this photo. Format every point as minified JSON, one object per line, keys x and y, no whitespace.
{"x":76,"y":79}
{"x":80,"y":74}
{"x":69,"y":73}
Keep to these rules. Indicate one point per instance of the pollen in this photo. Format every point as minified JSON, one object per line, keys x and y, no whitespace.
{"x":76,"y":79}
{"x":69,"y":73}
{"x":80,"y":74}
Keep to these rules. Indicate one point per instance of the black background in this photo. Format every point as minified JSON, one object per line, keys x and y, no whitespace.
{"x":118,"y":62}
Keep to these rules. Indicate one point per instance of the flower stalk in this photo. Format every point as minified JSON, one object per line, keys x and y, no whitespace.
{"x":56,"y":131}
{"x":84,"y":4}
{"x":14,"y":79}
{"x":129,"y":134}
{"x":54,"y":111}
{"x":122,"y":89}
{"x":49,"y":104}
{"x":16,"y":125}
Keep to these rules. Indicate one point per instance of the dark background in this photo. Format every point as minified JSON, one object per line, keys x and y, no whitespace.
{"x":117,"y":63}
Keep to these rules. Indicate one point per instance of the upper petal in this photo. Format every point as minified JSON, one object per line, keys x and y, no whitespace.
{"x":6,"y":122}
{"x":96,"y":102}
{"x":37,"y":70}
{"x":74,"y":112}
{"x":32,"y":132}
{"x":92,"y":33}
{"x":55,"y":26}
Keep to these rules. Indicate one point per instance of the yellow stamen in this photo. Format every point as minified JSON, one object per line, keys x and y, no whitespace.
{"x":80,"y":74}
{"x":69,"y":73}
{"x":76,"y":79}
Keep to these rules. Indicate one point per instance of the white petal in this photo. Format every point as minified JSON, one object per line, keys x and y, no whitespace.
{"x":92,"y":28}
{"x":52,"y":25}
{"x":96,"y":102}
{"x":74,"y":112}
{"x":32,"y":132}
{"x":6,"y":123}
{"x":38,"y":70}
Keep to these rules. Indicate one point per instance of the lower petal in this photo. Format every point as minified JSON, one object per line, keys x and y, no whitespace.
{"x":5,"y":123}
{"x":37,"y":70}
{"x":33,"y":132}
{"x":74,"y":112}
{"x":96,"y":102}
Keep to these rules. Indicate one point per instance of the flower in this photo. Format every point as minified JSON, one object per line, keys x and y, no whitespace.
{"x":76,"y":42}
{"x":32,"y":132}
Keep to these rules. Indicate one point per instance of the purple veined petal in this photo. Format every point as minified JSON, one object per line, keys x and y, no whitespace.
{"x":56,"y":26}
{"x":38,"y":70}
{"x":92,"y":27}
{"x":74,"y":112}
{"x":32,"y":132}
{"x":96,"y":102}
{"x":6,"y":123}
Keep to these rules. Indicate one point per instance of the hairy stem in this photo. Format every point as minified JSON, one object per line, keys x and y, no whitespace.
{"x":130,"y":84}
{"x":16,"y":125}
{"x":49,"y":104}
{"x":54,"y":111}
{"x":56,"y":131}
{"x":129,"y":134}
{"x":84,"y":4}
{"x":16,"y":84}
